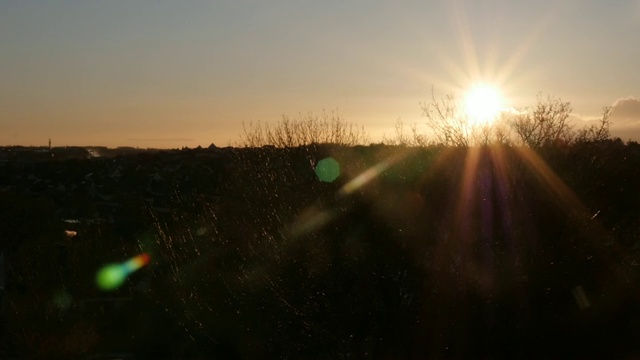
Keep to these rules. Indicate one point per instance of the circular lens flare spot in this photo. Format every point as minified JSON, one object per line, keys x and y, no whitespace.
{"x":328,"y":169}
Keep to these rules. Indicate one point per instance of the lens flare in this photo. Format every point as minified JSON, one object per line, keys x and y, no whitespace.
{"x":328,"y":169}
{"x":112,"y":276}
{"x":364,"y":178}
{"x":136,"y":263}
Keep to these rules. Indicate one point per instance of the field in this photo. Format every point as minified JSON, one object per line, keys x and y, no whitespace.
{"x":411,"y":252}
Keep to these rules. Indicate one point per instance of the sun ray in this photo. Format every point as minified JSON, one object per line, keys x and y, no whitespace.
{"x":571,"y":204}
{"x":470,"y":53}
{"x":466,"y":192}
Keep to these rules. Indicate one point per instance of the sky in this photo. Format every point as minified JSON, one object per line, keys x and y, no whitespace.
{"x":168,"y":74}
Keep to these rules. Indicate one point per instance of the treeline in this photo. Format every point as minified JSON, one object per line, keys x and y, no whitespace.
{"x":446,"y":124}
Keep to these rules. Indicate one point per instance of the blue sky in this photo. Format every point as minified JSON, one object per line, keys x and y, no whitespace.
{"x":154,"y":73}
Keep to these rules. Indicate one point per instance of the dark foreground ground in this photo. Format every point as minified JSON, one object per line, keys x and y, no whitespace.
{"x":410,"y":253}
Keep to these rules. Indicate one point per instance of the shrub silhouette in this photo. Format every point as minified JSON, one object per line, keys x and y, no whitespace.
{"x":547,"y":122}
{"x":327,"y":128}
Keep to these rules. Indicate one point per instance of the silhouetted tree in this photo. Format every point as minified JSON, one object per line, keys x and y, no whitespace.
{"x":328,"y":128}
{"x":547,"y":122}
{"x":596,"y":132}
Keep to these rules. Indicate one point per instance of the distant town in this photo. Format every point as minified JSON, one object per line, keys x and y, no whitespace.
{"x":39,"y":153}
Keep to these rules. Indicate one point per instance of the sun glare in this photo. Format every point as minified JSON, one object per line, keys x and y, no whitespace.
{"x":483,"y":104}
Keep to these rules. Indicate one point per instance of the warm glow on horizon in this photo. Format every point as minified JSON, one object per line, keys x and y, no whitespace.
{"x":483,"y":104}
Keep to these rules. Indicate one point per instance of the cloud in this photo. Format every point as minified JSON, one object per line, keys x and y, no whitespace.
{"x":580,"y":119}
{"x":625,"y":118}
{"x":626,"y":111}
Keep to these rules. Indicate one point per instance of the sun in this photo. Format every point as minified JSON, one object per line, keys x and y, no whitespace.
{"x":483,"y":104}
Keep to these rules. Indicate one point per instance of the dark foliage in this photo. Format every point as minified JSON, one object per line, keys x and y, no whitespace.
{"x":494,"y":252}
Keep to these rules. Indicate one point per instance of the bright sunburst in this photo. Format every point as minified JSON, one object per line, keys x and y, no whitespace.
{"x":483,"y":103}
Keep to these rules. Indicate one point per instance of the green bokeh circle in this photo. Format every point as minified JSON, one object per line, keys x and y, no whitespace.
{"x":328,"y":169}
